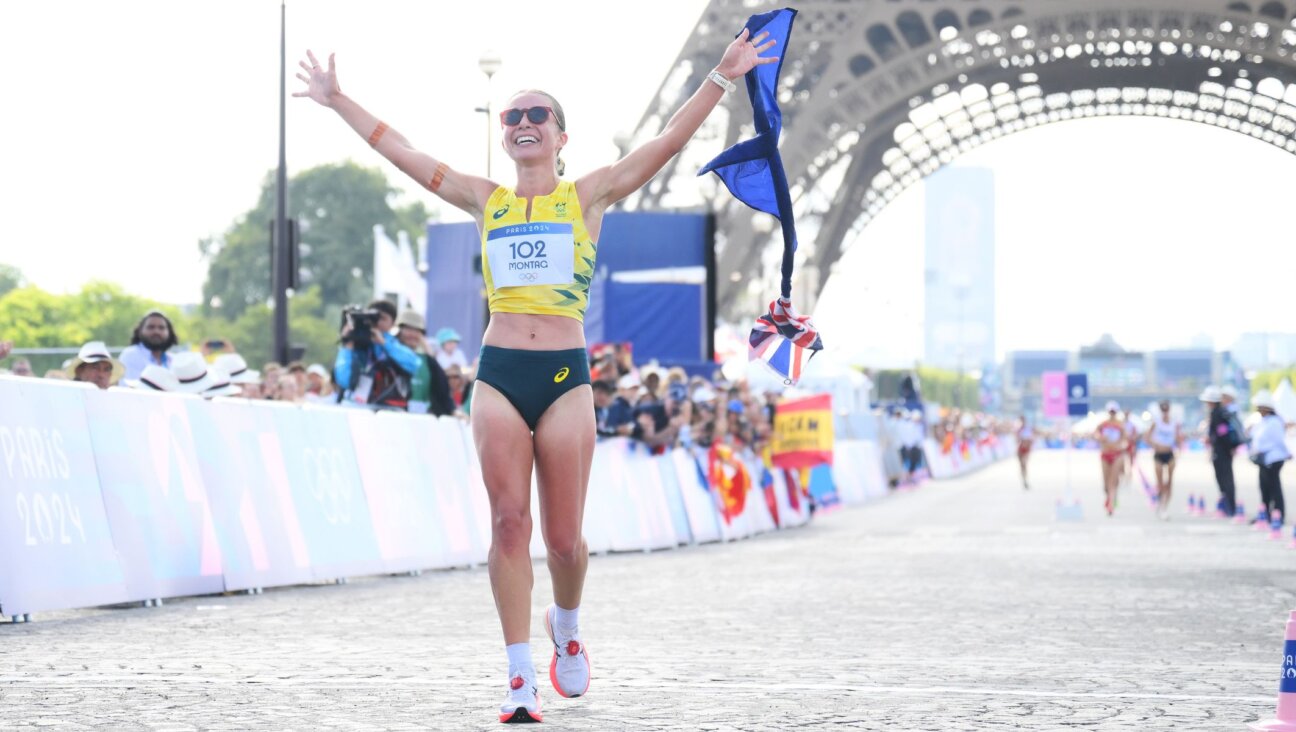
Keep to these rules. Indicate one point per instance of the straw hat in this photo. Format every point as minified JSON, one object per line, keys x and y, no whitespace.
{"x":94,"y":352}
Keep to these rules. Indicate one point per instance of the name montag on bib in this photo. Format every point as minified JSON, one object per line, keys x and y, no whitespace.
{"x":523,"y":255}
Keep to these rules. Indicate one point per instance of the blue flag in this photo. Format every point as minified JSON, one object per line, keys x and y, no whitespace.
{"x":753,"y":172}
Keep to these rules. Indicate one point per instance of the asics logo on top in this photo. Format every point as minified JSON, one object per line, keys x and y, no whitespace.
{"x":561,"y":375}
{"x":499,"y":213}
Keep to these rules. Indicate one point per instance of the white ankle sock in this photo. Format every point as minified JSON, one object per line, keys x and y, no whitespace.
{"x":566,"y":620}
{"x":519,"y":656}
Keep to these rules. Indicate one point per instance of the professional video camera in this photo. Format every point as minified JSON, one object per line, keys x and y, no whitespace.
{"x":363,"y":321}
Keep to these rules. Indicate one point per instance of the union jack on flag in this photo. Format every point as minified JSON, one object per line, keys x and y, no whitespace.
{"x":784,"y":340}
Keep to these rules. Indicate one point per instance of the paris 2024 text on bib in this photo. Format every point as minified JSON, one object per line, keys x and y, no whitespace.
{"x":531,"y":254}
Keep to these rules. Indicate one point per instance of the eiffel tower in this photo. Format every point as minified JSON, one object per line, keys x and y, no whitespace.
{"x":878,"y":94}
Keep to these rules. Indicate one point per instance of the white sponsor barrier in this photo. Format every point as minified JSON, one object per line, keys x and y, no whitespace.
{"x":961,"y":462}
{"x":117,"y":496}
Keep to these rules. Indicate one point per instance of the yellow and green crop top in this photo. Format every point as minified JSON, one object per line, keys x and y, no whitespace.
{"x":541,"y":266}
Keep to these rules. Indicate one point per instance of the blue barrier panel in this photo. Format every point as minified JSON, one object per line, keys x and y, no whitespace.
{"x":649,"y":499}
{"x":599,"y":508}
{"x":629,"y":531}
{"x":822,"y":487}
{"x":327,"y":498}
{"x":665,"y":466}
{"x":398,"y":479}
{"x":242,"y":466}
{"x":462,"y":501}
{"x":699,"y":501}
{"x":56,"y":550}
{"x":154,"y":494}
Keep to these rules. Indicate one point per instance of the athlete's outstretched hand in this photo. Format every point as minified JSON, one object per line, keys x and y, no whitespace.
{"x":743,"y":55}
{"x":321,"y":84}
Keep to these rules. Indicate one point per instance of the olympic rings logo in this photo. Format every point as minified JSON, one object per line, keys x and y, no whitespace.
{"x":528,"y":276}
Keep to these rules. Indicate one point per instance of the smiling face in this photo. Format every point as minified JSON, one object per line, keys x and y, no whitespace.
{"x":528,"y":142}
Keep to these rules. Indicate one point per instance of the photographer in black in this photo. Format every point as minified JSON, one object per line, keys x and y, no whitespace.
{"x":373,"y":368}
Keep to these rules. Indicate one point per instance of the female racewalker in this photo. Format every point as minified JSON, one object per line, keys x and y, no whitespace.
{"x":1111,"y":443}
{"x":1025,"y":440}
{"x":1164,"y":435}
{"x":532,"y":404}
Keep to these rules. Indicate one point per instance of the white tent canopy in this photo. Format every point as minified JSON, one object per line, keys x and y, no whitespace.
{"x":1285,"y":401}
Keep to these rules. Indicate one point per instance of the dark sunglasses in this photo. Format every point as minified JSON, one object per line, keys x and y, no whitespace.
{"x":536,"y":115}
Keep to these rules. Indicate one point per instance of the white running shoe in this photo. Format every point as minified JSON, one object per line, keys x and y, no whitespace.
{"x":522,"y":703}
{"x":570,"y":668}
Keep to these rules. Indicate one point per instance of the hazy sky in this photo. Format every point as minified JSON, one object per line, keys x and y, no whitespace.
{"x":122,"y":148}
{"x":1157,"y":231}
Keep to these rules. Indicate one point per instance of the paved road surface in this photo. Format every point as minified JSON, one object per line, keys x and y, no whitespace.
{"x":963,"y":605}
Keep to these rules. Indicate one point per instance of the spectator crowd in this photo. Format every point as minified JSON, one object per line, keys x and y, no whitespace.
{"x":386,"y":360}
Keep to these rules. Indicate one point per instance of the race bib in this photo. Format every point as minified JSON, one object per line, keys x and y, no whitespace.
{"x":531,"y":254}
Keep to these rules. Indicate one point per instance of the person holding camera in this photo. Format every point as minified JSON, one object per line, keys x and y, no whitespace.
{"x":532,"y":404}
{"x":373,"y":368}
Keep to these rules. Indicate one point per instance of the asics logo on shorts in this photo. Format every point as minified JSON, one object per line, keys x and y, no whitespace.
{"x":561,"y":375}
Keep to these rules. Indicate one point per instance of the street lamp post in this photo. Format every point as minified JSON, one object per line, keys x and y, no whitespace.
{"x":489,"y":63}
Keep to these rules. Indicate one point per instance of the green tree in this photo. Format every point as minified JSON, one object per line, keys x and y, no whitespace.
{"x":11,"y":278}
{"x":936,"y":385}
{"x":337,"y":206}
{"x":33,"y":318}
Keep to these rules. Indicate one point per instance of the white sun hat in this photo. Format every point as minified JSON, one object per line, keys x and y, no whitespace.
{"x":191,"y":370}
{"x":237,"y":368}
{"x":154,"y":378}
{"x":1210,"y":394}
{"x":94,"y":352}
{"x":221,"y":385}
{"x":1263,"y":398}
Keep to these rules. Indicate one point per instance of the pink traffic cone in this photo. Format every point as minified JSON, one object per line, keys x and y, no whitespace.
{"x":1285,"y":718}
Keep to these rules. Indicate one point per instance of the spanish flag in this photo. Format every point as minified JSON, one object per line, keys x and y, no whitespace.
{"x":803,"y":432}
{"x":729,"y":480}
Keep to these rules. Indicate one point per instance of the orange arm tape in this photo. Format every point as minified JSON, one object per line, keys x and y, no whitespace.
{"x":377,"y":133}
{"x":437,"y":176}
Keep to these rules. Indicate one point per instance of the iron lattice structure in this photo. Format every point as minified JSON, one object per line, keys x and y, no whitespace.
{"x":878,"y":94}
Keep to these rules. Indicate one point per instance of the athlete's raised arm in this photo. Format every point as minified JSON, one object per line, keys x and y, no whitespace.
{"x":607,"y":185}
{"x":466,"y":192}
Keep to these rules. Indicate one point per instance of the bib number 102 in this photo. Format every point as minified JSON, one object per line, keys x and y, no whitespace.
{"x":527,"y":250}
